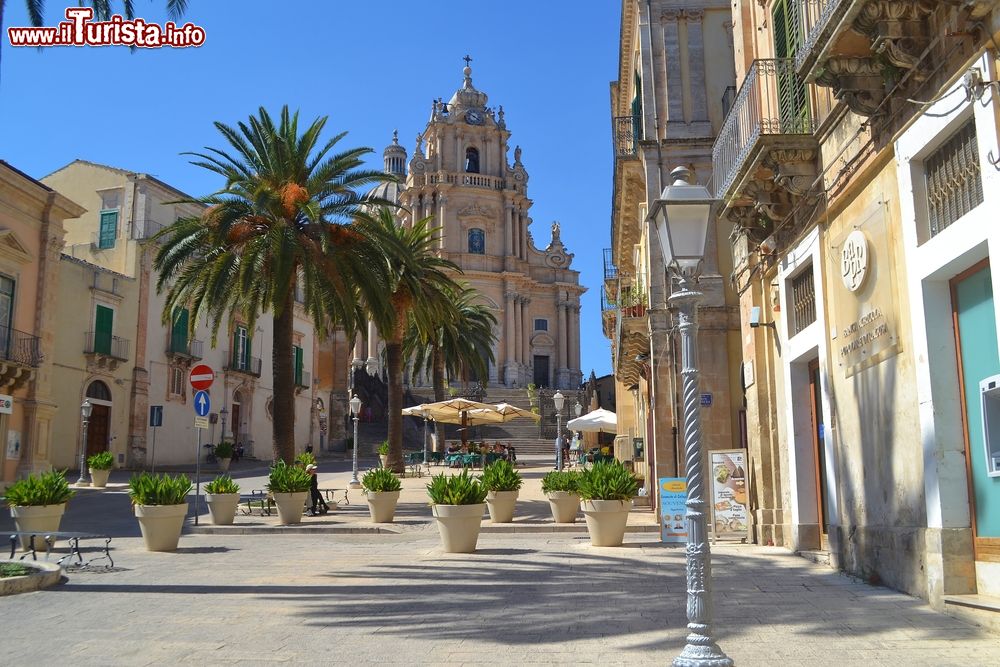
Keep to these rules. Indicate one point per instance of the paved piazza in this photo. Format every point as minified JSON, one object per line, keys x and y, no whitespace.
{"x":336,"y":597}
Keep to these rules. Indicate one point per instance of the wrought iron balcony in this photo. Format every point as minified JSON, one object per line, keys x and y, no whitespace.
{"x":625,"y":132}
{"x":242,"y":364}
{"x":184,"y":347}
{"x":20,"y":348}
{"x":102,"y":344}
{"x":770,"y":113}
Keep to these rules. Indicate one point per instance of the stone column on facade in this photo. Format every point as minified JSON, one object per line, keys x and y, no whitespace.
{"x":562,"y":345}
{"x":510,"y":363}
{"x":443,"y":233}
{"x":372,"y":342}
{"x":696,"y":64}
{"x":508,"y":238}
{"x":524,"y":235}
{"x":672,"y":65}
{"x":574,"y":348}
{"x":139,"y":397}
{"x":526,"y":339}
{"x":517,"y":329}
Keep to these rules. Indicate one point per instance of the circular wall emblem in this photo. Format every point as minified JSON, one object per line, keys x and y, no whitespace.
{"x":854,"y":260}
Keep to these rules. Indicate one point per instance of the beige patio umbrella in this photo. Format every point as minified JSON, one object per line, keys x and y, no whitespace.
{"x":456,"y":411}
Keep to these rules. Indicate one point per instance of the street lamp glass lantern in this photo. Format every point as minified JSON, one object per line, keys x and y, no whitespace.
{"x":578,"y":408}
{"x":86,"y":409}
{"x":371,"y":366}
{"x":558,"y":400}
{"x":681,"y":216}
{"x":355,"y":406}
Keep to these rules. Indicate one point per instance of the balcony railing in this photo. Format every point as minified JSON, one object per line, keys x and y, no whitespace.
{"x":610,"y":270}
{"x":115,"y":347}
{"x":184,"y":347}
{"x":727,"y":100}
{"x":625,"y":132}
{"x":818,"y":22}
{"x":20,"y":347}
{"x":146,"y":229}
{"x":248,"y":365}
{"x":771,"y":101}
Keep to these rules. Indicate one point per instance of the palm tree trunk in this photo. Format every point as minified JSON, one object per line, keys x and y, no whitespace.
{"x":282,"y":365}
{"x":394,"y":361}
{"x":437,"y":373}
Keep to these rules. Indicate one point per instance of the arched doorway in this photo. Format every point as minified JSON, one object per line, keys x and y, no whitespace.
{"x":99,"y":424}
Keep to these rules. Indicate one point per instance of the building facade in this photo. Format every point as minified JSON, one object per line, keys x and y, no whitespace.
{"x":459,"y":175}
{"x":31,"y":236}
{"x":147,"y":360}
{"x":855,"y":164}
{"x":675,"y":76}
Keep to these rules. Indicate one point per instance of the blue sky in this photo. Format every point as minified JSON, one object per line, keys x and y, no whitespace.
{"x":370,"y":66}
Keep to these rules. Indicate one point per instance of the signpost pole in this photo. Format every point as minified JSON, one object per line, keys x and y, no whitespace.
{"x":197,"y":478}
{"x":152,"y":455}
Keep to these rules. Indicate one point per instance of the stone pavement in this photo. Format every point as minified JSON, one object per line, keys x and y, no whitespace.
{"x":522,"y":598}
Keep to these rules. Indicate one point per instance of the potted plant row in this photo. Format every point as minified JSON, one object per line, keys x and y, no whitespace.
{"x":381,"y":488}
{"x":37,"y":504}
{"x":289,"y":486}
{"x":222,"y":495}
{"x":100,"y":466}
{"x":502,"y":482}
{"x":160,"y":506}
{"x":606,"y":490}
{"x":457,"y":505}
{"x":560,"y":487}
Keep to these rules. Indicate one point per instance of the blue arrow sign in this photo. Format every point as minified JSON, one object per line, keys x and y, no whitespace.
{"x":202,"y":403}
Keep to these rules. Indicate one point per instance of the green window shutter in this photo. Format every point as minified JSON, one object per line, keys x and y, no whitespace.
{"x":179,"y":331}
{"x":109,"y":230}
{"x":637,"y":109}
{"x":298,"y":365}
{"x":793,"y":104}
{"x":103,"y":325}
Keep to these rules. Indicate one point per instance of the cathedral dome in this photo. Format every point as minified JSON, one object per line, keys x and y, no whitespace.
{"x":394,"y":157}
{"x":467,"y":96}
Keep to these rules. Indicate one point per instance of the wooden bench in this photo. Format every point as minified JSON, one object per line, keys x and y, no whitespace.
{"x":73,"y":541}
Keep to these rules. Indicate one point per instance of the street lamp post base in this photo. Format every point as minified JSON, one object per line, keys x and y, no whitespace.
{"x":702,"y":655}
{"x":354,"y":484}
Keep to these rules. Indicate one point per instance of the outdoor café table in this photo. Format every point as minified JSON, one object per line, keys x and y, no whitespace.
{"x":471,"y":460}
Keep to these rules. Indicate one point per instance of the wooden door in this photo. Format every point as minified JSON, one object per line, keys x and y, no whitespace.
{"x":98,"y":429}
{"x":819,"y":447}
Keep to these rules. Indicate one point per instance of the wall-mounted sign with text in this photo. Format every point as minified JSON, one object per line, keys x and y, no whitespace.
{"x":6,"y":404}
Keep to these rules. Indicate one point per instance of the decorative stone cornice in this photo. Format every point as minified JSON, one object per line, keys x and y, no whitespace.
{"x":857,"y":82}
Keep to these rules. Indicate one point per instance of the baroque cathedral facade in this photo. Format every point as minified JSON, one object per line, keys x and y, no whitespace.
{"x":460,"y":176}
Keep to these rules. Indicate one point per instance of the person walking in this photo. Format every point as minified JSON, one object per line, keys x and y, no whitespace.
{"x":319,"y":505}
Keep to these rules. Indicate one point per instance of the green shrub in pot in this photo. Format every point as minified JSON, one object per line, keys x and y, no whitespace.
{"x":381,"y":487}
{"x":457,"y":504}
{"x":160,"y":504}
{"x":101,"y":461}
{"x":224,"y":450}
{"x":501,"y":476}
{"x":48,"y":488}
{"x":462,"y":489}
{"x":222,"y":484}
{"x":566,"y":480}
{"x":288,"y":479}
{"x":607,"y":480}
{"x":380,"y":480}
{"x":147,"y":489}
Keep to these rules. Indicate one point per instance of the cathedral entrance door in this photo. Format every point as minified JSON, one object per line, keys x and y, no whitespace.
{"x":541,"y":371}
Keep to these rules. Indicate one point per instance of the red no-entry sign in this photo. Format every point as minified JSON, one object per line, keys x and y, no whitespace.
{"x":202,"y":377}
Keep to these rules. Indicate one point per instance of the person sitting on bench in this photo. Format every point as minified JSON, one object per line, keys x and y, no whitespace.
{"x":319,"y":505}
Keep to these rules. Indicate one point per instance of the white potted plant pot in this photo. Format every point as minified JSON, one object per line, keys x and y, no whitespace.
{"x":39,"y":519}
{"x":382,"y":458}
{"x":564,"y":506}
{"x":99,"y":478}
{"x":161,"y":525}
{"x":222,"y":507}
{"x":290,"y":506}
{"x":501,"y":505}
{"x":459,"y":526}
{"x":382,"y":505}
{"x":606,"y":521}
{"x":224,"y":464}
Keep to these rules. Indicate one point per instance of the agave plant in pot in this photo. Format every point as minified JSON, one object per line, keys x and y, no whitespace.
{"x":160,"y":506}
{"x":383,"y":452}
{"x":289,"y":486}
{"x":37,"y":504}
{"x":224,"y":454}
{"x":560,"y":487}
{"x":381,"y":488}
{"x":606,"y":490}
{"x":100,"y":465}
{"x":457,"y":505}
{"x":222,"y":495}
{"x":503,"y":483}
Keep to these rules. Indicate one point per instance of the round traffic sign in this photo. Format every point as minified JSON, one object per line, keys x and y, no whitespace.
{"x":202,"y":377}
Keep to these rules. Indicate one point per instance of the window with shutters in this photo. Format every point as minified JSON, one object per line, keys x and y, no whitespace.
{"x":952,"y":179}
{"x":108,"y":230}
{"x":179,"y":331}
{"x":241,"y":349}
{"x":803,"y":300}
{"x":793,"y":104}
{"x":541,"y":324}
{"x":104,"y":320}
{"x":177,"y":384}
{"x":637,"y":108}
{"x":297,"y":358}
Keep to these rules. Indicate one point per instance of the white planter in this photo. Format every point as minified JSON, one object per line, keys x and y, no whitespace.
{"x":38,"y":519}
{"x":290,"y":506}
{"x":564,"y":506}
{"x":501,"y":505}
{"x":224,"y":464}
{"x":459,"y":526}
{"x":161,"y":525}
{"x":382,"y":505}
{"x":606,"y":521}
{"x":99,"y":478}
{"x":222,"y":507}
{"x":382,"y":458}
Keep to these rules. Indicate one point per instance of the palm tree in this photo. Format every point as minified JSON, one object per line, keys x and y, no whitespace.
{"x":418,"y":284}
{"x":102,"y":10}
{"x":455,"y":347}
{"x":276,"y":224}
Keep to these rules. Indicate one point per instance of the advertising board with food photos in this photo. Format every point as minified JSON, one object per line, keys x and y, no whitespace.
{"x":729,"y":492}
{"x":673,"y":508}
